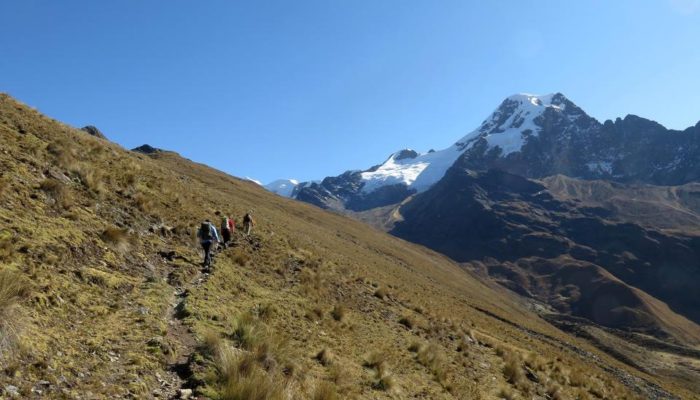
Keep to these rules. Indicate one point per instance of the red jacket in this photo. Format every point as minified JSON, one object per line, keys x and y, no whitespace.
{"x":231,"y":225}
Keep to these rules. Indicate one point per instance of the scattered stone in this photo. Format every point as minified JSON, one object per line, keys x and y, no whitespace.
{"x":12,"y":391}
{"x":531,"y":375}
{"x":185,"y":393}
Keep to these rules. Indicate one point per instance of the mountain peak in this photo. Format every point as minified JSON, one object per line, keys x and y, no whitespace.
{"x":283,"y":187}
{"x":556,"y":100}
{"x":404,"y":154}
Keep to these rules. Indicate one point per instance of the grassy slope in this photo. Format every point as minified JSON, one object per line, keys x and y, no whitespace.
{"x":84,"y":222}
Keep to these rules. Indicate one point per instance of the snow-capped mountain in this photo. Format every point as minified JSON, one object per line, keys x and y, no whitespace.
{"x":283,"y":187}
{"x":529,"y":135}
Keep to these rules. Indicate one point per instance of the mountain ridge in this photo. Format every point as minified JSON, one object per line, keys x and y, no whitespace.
{"x":534,"y":136}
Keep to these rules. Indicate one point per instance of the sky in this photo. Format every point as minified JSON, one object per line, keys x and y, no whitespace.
{"x":306,"y":89}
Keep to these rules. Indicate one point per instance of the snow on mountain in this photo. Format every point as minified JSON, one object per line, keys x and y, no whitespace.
{"x":507,"y":128}
{"x":253,"y":180}
{"x":515,"y":119}
{"x":283,"y":187}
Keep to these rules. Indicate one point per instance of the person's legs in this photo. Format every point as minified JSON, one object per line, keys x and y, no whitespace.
{"x":248,"y":227}
{"x":227,"y":237}
{"x":207,"y":253}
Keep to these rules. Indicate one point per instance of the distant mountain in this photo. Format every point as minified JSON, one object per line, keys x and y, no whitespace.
{"x":532,"y":136}
{"x":562,"y":209}
{"x":283,"y":187}
{"x":580,"y":260}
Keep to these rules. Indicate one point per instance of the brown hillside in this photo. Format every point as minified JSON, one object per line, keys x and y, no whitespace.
{"x":102,"y":296}
{"x":666,"y":207}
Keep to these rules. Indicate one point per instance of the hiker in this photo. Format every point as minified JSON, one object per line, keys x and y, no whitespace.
{"x":248,"y":222}
{"x":207,"y":235}
{"x":227,"y":228}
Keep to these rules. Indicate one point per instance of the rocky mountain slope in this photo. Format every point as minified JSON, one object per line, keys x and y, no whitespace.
{"x":532,"y":136}
{"x":102,"y":294}
{"x":568,"y":256}
{"x":675,"y":208}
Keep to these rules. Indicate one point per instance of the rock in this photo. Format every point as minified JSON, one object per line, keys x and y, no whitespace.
{"x":155,"y":341}
{"x":531,"y":375}
{"x":185,"y":393}
{"x":147,"y":149}
{"x":12,"y":391}
{"x":93,"y":131}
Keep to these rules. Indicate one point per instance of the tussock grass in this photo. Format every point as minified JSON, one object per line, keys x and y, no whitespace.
{"x":433,"y":359}
{"x":325,"y":357}
{"x":383,"y":378}
{"x":118,"y":239}
{"x":513,"y":369}
{"x":325,"y":391}
{"x":7,"y":249}
{"x":338,"y":313}
{"x":92,"y":179}
{"x":247,"y":332}
{"x":256,"y":369}
{"x":58,"y":192}
{"x":4,"y":185}
{"x":241,"y":258}
{"x":12,"y":289}
{"x":246,"y":382}
{"x":381,"y":293}
{"x":408,"y":321}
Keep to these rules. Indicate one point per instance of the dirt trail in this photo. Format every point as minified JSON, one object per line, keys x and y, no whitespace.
{"x":181,"y":339}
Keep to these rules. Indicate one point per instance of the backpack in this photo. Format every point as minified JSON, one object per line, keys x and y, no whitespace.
{"x":225,"y":224}
{"x":205,"y":231}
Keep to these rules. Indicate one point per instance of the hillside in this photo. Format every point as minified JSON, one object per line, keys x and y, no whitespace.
{"x":102,"y":295}
{"x":675,"y":208}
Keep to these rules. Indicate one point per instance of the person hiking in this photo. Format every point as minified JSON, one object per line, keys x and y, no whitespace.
{"x":227,"y":228}
{"x":207,"y":235}
{"x":248,"y":222}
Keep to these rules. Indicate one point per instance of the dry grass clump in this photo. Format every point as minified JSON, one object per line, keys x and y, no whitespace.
{"x":381,"y":293}
{"x":247,"y":332}
{"x":338,"y":313}
{"x":63,"y":152}
{"x":325,"y":391}
{"x":383,"y":378}
{"x":507,"y":394}
{"x":4,"y":184}
{"x":242,"y":379}
{"x":241,"y":258}
{"x":117,"y":238}
{"x":577,"y":378}
{"x":7,"y":249}
{"x":464,"y":342}
{"x":92,"y":179}
{"x":430,"y":357}
{"x":12,"y":289}
{"x":513,"y":369}
{"x":408,"y":321}
{"x":144,"y":203}
{"x":312,"y":281}
{"x":58,"y":192}
{"x":325,"y":357}
{"x":265,"y":312}
{"x":256,"y":369}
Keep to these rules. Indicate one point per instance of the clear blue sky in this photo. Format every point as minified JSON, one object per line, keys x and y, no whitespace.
{"x":305,"y":89}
